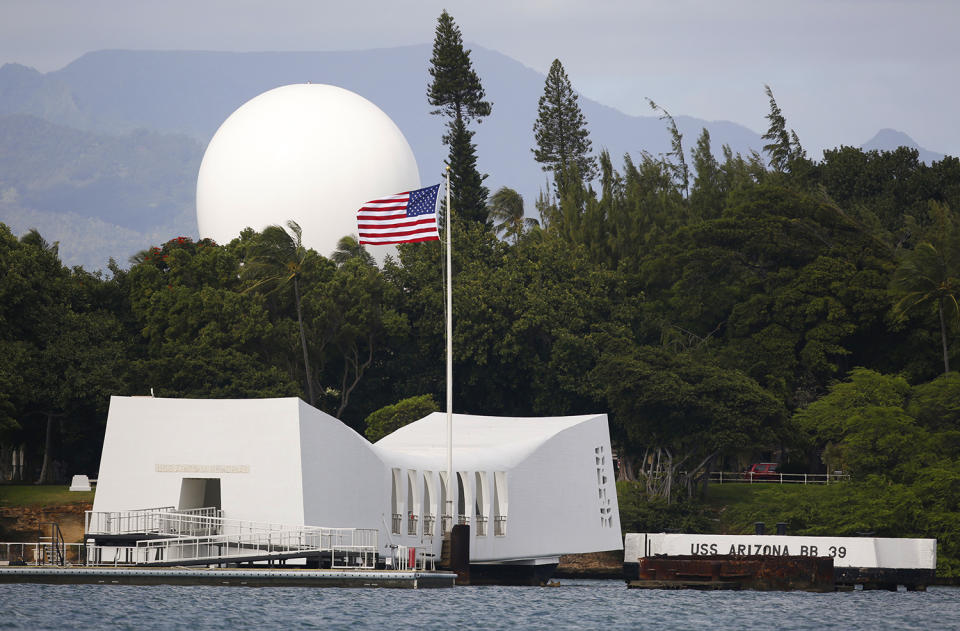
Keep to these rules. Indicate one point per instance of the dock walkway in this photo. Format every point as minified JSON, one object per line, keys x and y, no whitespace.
{"x":232,"y":577}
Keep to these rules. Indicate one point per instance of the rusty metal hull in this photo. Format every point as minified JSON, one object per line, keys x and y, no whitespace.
{"x":764,"y":573}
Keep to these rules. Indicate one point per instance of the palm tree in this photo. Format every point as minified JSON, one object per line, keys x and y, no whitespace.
{"x":348,"y":248}
{"x":506,"y":211}
{"x":277,"y":260}
{"x":32,"y":237}
{"x":929,"y":276}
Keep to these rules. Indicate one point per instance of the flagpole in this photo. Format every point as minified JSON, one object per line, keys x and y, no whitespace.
{"x":451,"y":485}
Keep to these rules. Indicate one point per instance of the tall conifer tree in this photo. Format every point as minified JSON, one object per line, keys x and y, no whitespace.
{"x":456,"y":92}
{"x":560,"y":130}
{"x":706,"y":196}
{"x":784,"y":147}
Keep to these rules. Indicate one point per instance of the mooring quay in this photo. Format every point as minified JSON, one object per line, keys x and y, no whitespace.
{"x":233,"y":577}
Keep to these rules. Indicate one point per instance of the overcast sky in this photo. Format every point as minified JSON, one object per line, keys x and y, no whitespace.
{"x":840,"y":69}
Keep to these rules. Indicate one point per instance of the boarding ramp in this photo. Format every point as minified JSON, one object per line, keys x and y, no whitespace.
{"x":164,"y":537}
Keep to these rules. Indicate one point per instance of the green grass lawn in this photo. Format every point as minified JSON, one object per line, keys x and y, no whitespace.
{"x":32,"y":495}
{"x":739,"y":506}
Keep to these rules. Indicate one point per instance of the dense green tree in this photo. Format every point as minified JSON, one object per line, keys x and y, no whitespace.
{"x":200,"y":334}
{"x":62,"y":353}
{"x":390,"y":418}
{"x":640,"y":513}
{"x":936,"y":404}
{"x":901,"y":446}
{"x":275,"y":260}
{"x":468,"y":195}
{"x":929,"y":276}
{"x":351,"y":314}
{"x":348,"y":247}
{"x":675,"y":413}
{"x":560,"y":131}
{"x":706,"y":197}
{"x":505,"y":209}
{"x":456,"y":93}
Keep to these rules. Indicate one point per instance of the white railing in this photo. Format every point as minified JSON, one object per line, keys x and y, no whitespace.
{"x":481,"y":526}
{"x":163,"y":520}
{"x":412,"y":524}
{"x":17,"y":553}
{"x":500,"y":526}
{"x":203,"y":534}
{"x":348,"y":547}
{"x":428,"y":523}
{"x":396,"y":523}
{"x":146,"y":520}
{"x":749,"y":477}
{"x":422,"y":559}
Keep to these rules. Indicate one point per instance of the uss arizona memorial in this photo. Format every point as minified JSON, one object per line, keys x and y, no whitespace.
{"x":531,"y":489}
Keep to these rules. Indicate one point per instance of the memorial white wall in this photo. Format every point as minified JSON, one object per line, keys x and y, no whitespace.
{"x":533,"y":488}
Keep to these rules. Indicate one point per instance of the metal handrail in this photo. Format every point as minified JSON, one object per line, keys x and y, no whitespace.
{"x":749,"y":477}
{"x":423,"y":559}
{"x":54,"y":544}
{"x":359,"y":544}
{"x":124,"y":522}
{"x":190,"y":523}
{"x":42,"y":553}
{"x":203,"y":533}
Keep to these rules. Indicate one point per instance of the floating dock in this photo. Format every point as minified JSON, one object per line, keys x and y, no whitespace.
{"x":240,"y":577}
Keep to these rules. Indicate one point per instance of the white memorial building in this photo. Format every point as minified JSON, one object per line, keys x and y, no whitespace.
{"x":531,"y":489}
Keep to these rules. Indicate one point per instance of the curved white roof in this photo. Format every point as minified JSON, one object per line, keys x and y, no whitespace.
{"x":476,"y":439}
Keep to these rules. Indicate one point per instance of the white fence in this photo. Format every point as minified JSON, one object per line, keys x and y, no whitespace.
{"x":748,"y":477}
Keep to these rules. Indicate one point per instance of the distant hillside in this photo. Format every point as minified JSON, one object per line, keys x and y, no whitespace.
{"x":100,"y":195}
{"x":191,"y":93}
{"x":890,"y":139}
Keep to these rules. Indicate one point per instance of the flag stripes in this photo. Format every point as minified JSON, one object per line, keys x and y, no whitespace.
{"x":402,"y":218}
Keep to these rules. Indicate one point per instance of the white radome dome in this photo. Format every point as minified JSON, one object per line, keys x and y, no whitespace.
{"x":312,"y":153}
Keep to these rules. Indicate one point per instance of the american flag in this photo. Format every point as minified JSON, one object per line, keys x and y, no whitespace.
{"x":402,"y":218}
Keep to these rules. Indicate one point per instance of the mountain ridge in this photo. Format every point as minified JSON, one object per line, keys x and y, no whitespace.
{"x":183,"y":96}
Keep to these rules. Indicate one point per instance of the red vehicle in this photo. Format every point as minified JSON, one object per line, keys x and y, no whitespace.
{"x":762,"y":471}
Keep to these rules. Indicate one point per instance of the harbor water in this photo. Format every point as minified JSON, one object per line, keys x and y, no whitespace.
{"x":573,"y":604}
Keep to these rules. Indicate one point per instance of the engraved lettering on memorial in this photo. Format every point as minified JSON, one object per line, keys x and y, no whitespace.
{"x":202,"y":468}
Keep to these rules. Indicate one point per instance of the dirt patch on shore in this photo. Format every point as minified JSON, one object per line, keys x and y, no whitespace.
{"x":591,"y":565}
{"x":21,"y":523}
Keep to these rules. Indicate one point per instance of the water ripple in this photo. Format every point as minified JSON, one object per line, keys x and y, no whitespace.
{"x":572,"y":605}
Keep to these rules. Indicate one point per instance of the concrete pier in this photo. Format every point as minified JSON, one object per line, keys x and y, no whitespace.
{"x":231,"y":577}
